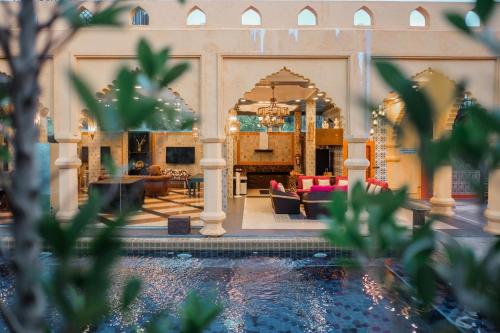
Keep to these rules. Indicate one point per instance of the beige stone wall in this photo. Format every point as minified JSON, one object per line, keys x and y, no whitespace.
{"x":227,"y":59}
{"x":162,"y":140}
{"x":282,"y":145}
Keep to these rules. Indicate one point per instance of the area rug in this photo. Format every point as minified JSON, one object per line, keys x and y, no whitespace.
{"x":258,"y":214}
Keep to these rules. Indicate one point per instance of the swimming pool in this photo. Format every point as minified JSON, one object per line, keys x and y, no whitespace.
{"x":269,"y":294}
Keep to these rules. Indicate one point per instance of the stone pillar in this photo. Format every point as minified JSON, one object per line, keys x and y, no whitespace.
{"x":492,"y":213}
{"x":68,"y":164}
{"x":213,"y":165}
{"x":213,"y":162}
{"x":296,"y":139}
{"x":358,"y":118}
{"x":67,"y":134}
{"x":310,"y":144}
{"x":441,"y":201}
{"x":356,"y":162}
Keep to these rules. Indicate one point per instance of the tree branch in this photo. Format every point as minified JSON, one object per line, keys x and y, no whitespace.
{"x":10,"y":319}
{"x":5,"y":35}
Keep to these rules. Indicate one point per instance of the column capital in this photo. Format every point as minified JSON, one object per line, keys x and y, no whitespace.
{"x":213,"y":140}
{"x":68,"y":138}
{"x":357,"y":138}
{"x":68,"y":162}
{"x":212,"y":163}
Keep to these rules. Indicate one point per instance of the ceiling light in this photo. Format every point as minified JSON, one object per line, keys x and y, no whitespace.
{"x":297,"y":100}
{"x":242,"y":100}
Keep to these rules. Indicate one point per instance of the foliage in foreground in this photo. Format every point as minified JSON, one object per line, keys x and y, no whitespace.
{"x":79,"y":292}
{"x":473,"y":279}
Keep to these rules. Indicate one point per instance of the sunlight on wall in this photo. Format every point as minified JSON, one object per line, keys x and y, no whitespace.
{"x":196,"y":17}
{"x":362,"y":18}
{"x":417,"y":18}
{"x":307,"y":17}
{"x":250,"y":17}
{"x":472,"y":19}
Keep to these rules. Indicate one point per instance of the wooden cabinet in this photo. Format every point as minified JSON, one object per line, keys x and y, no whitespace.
{"x":329,"y":136}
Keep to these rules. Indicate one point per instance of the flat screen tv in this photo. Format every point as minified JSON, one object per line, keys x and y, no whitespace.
{"x":180,"y":155}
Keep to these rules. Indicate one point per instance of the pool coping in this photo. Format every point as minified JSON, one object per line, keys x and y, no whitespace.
{"x":146,"y":245}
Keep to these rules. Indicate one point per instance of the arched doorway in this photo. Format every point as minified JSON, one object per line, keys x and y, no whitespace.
{"x":401,"y":154}
{"x":284,"y":125}
{"x":165,"y":152}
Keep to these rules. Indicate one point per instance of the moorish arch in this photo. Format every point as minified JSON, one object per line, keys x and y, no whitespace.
{"x":303,"y":114}
{"x":392,"y":156}
{"x":171,"y":126}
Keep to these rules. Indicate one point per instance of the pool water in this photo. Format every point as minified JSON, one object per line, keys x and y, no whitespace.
{"x":268,"y":294}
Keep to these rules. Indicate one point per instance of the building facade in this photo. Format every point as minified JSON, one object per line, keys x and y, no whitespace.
{"x":232,"y":45}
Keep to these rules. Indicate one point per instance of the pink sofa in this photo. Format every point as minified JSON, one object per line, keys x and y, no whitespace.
{"x":315,"y":179}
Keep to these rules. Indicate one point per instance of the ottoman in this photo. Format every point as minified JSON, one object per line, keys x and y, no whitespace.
{"x":179,"y":225}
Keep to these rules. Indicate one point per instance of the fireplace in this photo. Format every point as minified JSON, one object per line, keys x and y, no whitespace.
{"x":259,"y":176}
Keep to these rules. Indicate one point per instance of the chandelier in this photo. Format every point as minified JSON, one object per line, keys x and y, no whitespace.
{"x":272,"y":115}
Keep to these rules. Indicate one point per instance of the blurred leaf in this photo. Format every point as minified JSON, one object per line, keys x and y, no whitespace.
{"x":130,"y":292}
{"x":174,"y":73}
{"x":146,"y":58}
{"x":458,"y":21}
{"x":197,"y":313}
{"x":484,"y":9}
{"x":4,"y":154}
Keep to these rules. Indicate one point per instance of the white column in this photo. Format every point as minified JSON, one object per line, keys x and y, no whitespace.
{"x":67,"y":134}
{"x":213,"y":162}
{"x":358,"y":117}
{"x":68,"y":164}
{"x":492,"y":213}
{"x":441,"y":201}
{"x":310,"y":146}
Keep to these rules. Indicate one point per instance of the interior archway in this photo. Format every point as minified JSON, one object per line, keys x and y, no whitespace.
{"x":263,"y":149}
{"x":165,"y":154}
{"x":392,"y":156}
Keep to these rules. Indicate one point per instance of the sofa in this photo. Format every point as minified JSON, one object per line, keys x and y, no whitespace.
{"x":304,"y":183}
{"x":155,"y":183}
{"x":316,"y":200}
{"x":283,"y":202}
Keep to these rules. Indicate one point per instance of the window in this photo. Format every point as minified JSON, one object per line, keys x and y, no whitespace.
{"x":140,"y":17}
{"x":472,"y":19}
{"x":418,"y":18}
{"x":196,"y":17}
{"x":85,"y":15}
{"x":307,"y":17}
{"x":363,"y":17}
{"x":250,"y":17}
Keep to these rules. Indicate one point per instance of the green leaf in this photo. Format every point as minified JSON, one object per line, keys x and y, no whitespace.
{"x":197,"y":313}
{"x":484,"y":9}
{"x":146,"y":58}
{"x":174,"y":73}
{"x":130,"y":293}
{"x":93,"y":106}
{"x":110,"y":16}
{"x":458,"y":21}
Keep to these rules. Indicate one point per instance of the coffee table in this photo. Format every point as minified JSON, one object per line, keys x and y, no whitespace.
{"x":126,"y":194}
{"x":194,"y":182}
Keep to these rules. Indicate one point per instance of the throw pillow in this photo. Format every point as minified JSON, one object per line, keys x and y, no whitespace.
{"x":307,"y":183}
{"x":324,"y":182}
{"x":377,"y":189}
{"x":343,"y":182}
{"x":281,"y":187}
{"x":371,"y":188}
